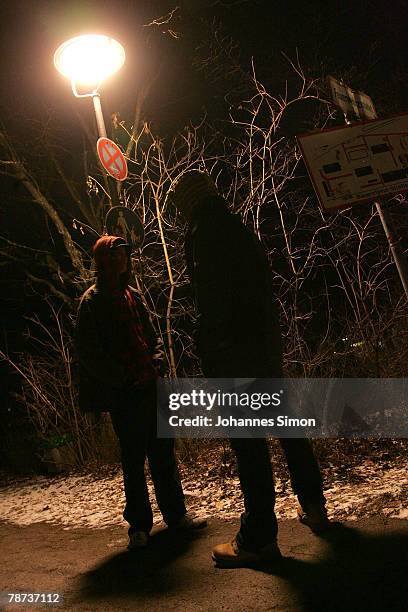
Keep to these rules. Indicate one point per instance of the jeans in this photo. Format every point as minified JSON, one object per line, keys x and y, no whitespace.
{"x":258,"y":522}
{"x":134,"y":422}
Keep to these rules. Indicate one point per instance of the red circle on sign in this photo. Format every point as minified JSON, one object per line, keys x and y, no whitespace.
{"x":112,"y":158}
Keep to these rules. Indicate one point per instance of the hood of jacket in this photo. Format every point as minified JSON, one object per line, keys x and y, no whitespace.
{"x":210,"y":207}
{"x":109,"y":279}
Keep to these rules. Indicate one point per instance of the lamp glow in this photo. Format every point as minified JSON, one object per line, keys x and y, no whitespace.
{"x":89,"y":59}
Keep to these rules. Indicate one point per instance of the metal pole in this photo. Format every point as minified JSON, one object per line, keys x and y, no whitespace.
{"x":112,"y":184}
{"x":395,"y":246}
{"x":392,"y":237}
{"x":100,"y":122}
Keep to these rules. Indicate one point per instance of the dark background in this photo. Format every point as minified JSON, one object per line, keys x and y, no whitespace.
{"x":366,"y":39}
{"x":364,"y":42}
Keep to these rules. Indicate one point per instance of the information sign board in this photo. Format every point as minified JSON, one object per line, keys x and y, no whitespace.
{"x":362,"y":162}
{"x":352,"y":102}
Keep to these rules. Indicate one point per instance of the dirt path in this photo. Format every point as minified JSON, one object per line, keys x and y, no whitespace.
{"x":362,"y":565}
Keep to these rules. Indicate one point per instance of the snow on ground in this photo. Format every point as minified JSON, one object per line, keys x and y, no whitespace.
{"x":93,"y":501}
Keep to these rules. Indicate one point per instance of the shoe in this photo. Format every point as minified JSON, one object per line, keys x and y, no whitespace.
{"x":137,"y":540}
{"x":314,"y":516}
{"x":188,"y":522}
{"x":231,"y":555}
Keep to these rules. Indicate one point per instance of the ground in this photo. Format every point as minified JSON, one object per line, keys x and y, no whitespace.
{"x":65,"y":534}
{"x":361,"y":566}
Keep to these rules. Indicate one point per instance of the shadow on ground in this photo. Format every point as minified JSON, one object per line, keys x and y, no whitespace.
{"x":361,"y":566}
{"x":355,"y":572}
{"x":141,"y":572}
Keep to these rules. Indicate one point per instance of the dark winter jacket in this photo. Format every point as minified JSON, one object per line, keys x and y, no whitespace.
{"x":238,"y":331}
{"x":107,"y":356}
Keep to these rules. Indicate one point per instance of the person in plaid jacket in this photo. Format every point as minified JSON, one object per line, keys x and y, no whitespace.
{"x":117,"y":346}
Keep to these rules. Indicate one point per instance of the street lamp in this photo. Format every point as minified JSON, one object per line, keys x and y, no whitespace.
{"x":87,"y":61}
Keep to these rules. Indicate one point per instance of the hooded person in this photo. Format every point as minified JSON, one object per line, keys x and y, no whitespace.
{"x":116,"y":346}
{"x":115,"y":339}
{"x":238,"y":336}
{"x":238,"y":331}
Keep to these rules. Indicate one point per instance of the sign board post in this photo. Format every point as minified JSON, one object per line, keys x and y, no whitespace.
{"x":360,"y":163}
{"x":395,"y":246}
{"x":100,"y":122}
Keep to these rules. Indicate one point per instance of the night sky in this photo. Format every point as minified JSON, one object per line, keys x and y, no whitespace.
{"x":366,"y":41}
{"x":367,"y":38}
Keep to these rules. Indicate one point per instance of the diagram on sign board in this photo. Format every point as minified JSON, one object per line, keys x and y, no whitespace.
{"x":359,"y":163}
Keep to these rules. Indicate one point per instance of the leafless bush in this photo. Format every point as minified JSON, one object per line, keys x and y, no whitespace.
{"x":342,"y":310}
{"x":340,"y":299}
{"x":65,"y":437}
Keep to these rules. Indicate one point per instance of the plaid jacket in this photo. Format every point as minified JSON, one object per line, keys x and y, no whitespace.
{"x":102,"y":372}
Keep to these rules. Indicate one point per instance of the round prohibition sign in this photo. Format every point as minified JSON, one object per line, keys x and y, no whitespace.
{"x":112,"y":158}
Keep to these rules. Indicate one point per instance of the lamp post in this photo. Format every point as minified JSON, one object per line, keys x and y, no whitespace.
{"x":87,"y":61}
